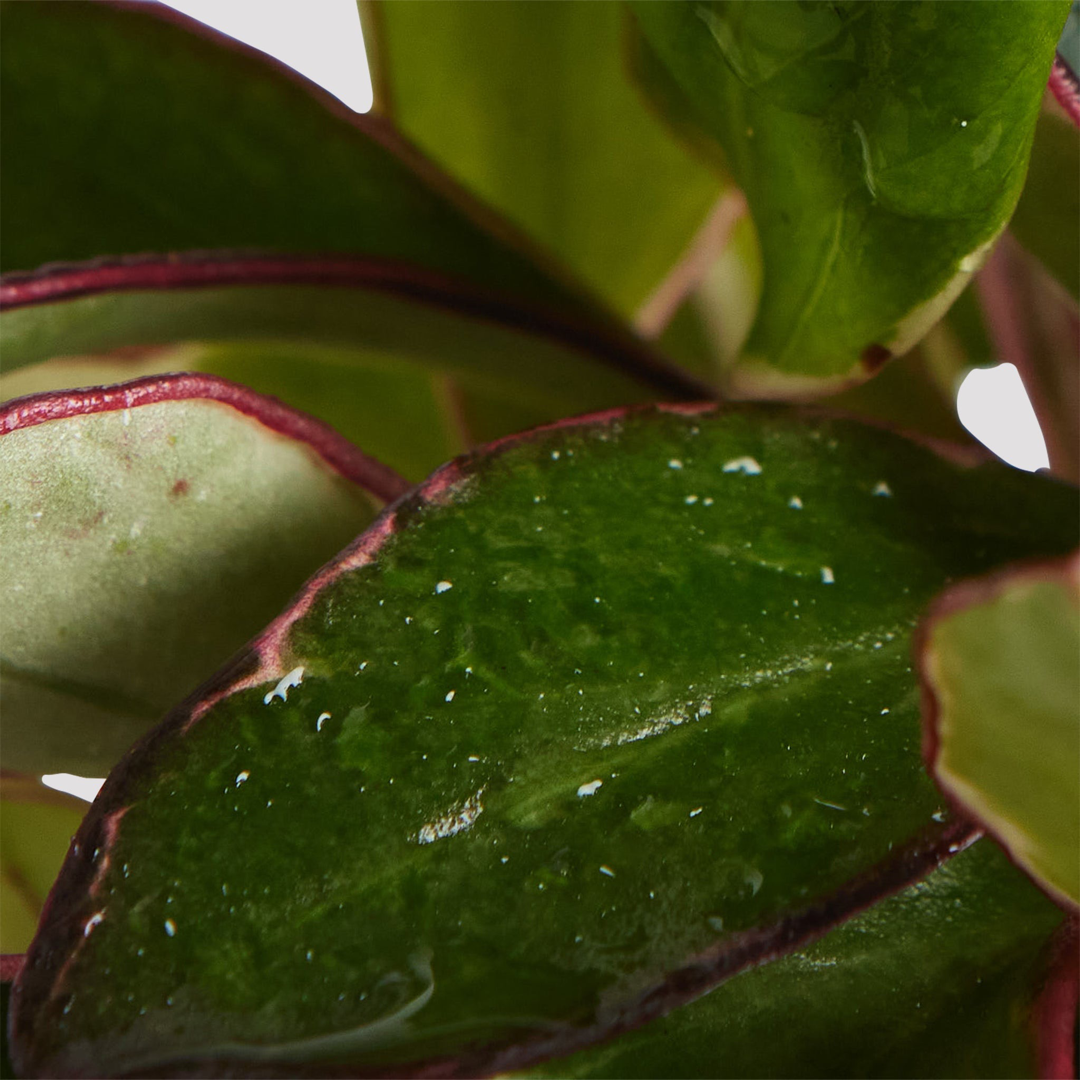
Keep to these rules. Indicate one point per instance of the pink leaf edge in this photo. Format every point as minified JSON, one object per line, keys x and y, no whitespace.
{"x":965,"y":594}
{"x":334,"y":449}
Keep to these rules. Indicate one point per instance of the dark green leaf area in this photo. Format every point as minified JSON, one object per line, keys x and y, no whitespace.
{"x":1047,"y":218}
{"x":880,"y":151}
{"x":936,"y":981}
{"x":126,"y":133}
{"x":6,"y":1068}
{"x":611,"y":692}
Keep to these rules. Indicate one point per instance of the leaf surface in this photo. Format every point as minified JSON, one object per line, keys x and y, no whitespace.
{"x":530,"y":106}
{"x":128,"y":129}
{"x":881,"y":155}
{"x":411,"y":366}
{"x":148,"y":531}
{"x":460,"y":791}
{"x":939,"y":980}
{"x":36,"y":828}
{"x":1000,"y":663}
{"x":1047,"y":218}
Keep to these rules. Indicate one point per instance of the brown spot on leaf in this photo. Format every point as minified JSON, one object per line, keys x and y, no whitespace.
{"x":874,"y":357}
{"x":181,"y":487}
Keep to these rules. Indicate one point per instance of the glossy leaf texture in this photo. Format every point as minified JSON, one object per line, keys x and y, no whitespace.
{"x":1047,"y":218}
{"x":413,"y":367}
{"x":36,"y":828}
{"x":128,"y":128}
{"x":530,"y":106}
{"x":590,"y":721}
{"x":942,"y":979}
{"x":881,"y":155}
{"x":1000,"y":663}
{"x":148,"y":531}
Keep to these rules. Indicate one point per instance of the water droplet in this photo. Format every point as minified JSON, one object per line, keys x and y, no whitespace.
{"x":450,"y":695}
{"x":323,"y":717}
{"x":881,"y":488}
{"x":697,"y":810}
{"x":674,"y":463}
{"x":287,"y":682}
{"x":795,"y":502}
{"x":242,"y":776}
{"x":690,"y":500}
{"x":590,"y":788}
{"x":746,"y":465}
{"x":827,"y":576}
{"x":95,"y":920}
{"x":443,"y":586}
{"x":170,"y":928}
{"x":607,"y":871}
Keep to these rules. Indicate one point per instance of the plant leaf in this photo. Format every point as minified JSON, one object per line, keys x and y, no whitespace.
{"x":36,"y":828}
{"x":939,"y":980}
{"x":595,"y":651}
{"x":148,"y":531}
{"x":1036,"y":326}
{"x":127,"y":128}
{"x":1000,"y":664}
{"x":1047,"y":218}
{"x":343,"y":339}
{"x":880,"y":155}
{"x":530,"y":107}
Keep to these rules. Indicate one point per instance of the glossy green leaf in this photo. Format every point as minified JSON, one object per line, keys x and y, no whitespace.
{"x":940,"y":980}
{"x":460,"y":792}
{"x":880,"y":153}
{"x":131,"y":129}
{"x":1047,"y":218}
{"x":343,"y":341}
{"x":148,"y":532}
{"x":36,"y":827}
{"x":1000,"y":660}
{"x":530,"y":106}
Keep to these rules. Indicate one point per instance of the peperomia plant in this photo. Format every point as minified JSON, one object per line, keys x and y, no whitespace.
{"x":674,"y":725}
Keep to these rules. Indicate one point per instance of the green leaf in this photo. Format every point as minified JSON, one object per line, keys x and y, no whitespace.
{"x":529,"y":105}
{"x":880,"y":153}
{"x":1000,"y":662}
{"x":1047,"y":218}
{"x":148,"y":531}
{"x":36,"y":827}
{"x":939,"y":980}
{"x":131,"y":129}
{"x":460,"y":792}
{"x":346,"y":341}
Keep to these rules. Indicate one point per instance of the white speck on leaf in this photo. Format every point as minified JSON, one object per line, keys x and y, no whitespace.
{"x":674,"y":463}
{"x":96,"y":919}
{"x":170,"y":928}
{"x":323,"y":717}
{"x":881,"y":488}
{"x":690,"y":500}
{"x":242,"y":776}
{"x":795,"y":502}
{"x":827,"y":576}
{"x":747,"y":465}
{"x":591,"y":788}
{"x":443,"y":586}
{"x":285,"y":685}
{"x":607,"y":871}
{"x":450,"y":695}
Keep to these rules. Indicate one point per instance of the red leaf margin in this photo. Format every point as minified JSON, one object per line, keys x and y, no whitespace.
{"x":955,"y":599}
{"x":334,"y":449}
{"x":605,"y":340}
